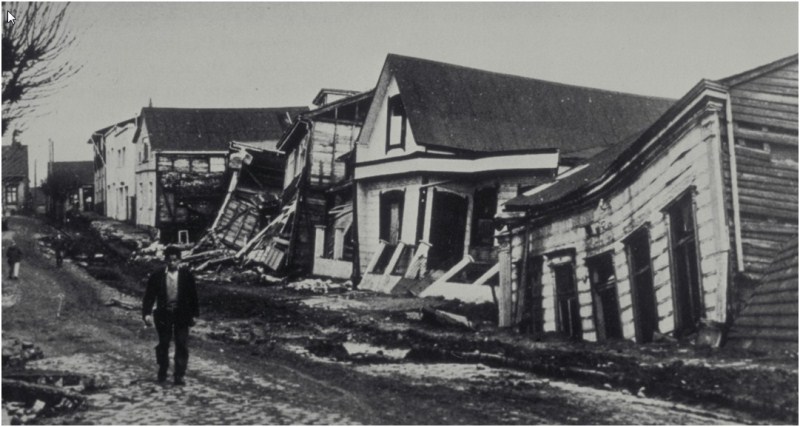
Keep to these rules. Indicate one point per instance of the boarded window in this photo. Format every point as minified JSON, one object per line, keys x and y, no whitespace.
{"x":396,"y":123}
{"x":200,"y":165}
{"x":604,"y":296}
{"x":645,"y":312}
{"x":686,"y":275}
{"x":164,"y":164}
{"x":391,"y":216}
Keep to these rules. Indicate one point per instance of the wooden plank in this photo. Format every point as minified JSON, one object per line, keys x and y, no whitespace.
{"x":771,"y":171}
{"x":766,"y":136}
{"x":768,"y":88}
{"x":754,"y":154}
{"x":770,"y":97}
{"x":758,"y":209}
{"x":764,"y":121}
{"x":769,"y":196}
{"x":768,"y":320}
{"x":764,"y":112}
{"x":768,"y":180}
{"x":774,"y":80}
{"x":742,"y":101}
{"x":780,"y":307}
{"x":785,"y":73}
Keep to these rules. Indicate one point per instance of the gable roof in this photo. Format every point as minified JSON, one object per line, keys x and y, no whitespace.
{"x":198,"y":129}
{"x":769,"y":320}
{"x":15,"y":161}
{"x":466,"y":109}
{"x":81,"y":172}
{"x":102,"y":132}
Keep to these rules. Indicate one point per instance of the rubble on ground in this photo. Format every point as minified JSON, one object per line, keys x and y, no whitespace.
{"x":17,"y":353}
{"x":320,"y":286}
{"x":116,"y":232}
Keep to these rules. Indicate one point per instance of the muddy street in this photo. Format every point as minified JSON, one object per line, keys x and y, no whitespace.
{"x":256,"y":366}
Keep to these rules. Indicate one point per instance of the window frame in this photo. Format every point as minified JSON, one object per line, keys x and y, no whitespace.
{"x":393,"y":104}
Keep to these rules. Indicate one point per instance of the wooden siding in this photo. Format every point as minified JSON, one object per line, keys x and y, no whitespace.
{"x":769,"y":321}
{"x":765,"y":128}
{"x":328,"y":142}
{"x":689,"y":163}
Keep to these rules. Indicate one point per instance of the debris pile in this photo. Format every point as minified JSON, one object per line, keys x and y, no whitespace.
{"x":121,"y":234}
{"x":17,"y":353}
{"x":319,"y":286}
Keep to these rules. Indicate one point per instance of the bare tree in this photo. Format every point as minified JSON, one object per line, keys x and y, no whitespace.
{"x":33,"y":55}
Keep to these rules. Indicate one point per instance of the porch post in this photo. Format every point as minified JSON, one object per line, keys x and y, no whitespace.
{"x":504,"y":309}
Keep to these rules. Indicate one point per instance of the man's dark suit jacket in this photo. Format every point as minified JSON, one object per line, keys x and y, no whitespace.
{"x":187,"y":307}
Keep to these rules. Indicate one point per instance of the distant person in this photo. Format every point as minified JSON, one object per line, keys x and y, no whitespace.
{"x":59,"y":245}
{"x":174,"y":292}
{"x":13,"y":256}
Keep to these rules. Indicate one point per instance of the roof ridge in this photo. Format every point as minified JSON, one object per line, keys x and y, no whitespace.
{"x":440,"y":63}
{"x":225,"y":108}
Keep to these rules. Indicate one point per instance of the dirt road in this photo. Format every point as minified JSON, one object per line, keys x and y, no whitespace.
{"x":64,"y":311}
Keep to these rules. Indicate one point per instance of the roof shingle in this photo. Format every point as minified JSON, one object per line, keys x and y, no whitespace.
{"x":82,"y":172}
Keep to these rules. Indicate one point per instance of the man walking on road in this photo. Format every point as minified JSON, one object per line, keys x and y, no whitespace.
{"x":175,"y":295}
{"x":13,"y":256}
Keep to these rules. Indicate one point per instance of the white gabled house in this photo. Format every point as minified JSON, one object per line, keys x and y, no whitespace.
{"x":443,"y":147}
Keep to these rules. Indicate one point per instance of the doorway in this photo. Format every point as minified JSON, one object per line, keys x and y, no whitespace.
{"x":644,"y":296}
{"x":448,"y":229}
{"x":567,"y":305}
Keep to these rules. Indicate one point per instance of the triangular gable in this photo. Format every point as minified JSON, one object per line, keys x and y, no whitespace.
{"x":761,"y":71}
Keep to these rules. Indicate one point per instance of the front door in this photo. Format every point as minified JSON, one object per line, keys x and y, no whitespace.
{"x":448,"y":229}
{"x":641,"y":276}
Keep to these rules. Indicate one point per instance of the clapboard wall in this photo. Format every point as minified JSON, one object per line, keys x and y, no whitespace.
{"x":764,"y":111}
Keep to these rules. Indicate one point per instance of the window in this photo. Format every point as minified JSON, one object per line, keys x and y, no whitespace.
{"x":396,"y":123}
{"x":145,"y":152}
{"x":217,"y":164}
{"x":10,"y":194}
{"x":391,"y":216}
{"x":645,"y":312}
{"x":604,"y":296}
{"x":483,"y":211}
{"x":200,"y":165}
{"x":685,"y":272}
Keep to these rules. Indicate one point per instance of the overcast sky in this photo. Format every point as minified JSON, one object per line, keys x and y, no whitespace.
{"x":281,"y":54}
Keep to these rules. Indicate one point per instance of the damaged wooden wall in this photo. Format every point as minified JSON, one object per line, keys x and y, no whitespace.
{"x":765,"y":129}
{"x":190,"y":191}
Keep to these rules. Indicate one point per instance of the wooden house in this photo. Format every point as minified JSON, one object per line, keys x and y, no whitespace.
{"x":115,"y":170}
{"x":443,"y":147}
{"x":667,"y":231}
{"x":181,"y":176}
{"x":313,"y":233}
{"x":15,"y":176}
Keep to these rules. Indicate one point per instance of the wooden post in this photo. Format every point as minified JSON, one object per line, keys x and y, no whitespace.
{"x":504,"y":311}
{"x":319,"y":241}
{"x":338,"y":243}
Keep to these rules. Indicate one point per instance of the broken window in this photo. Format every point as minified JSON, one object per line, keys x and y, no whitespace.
{"x":604,"y":296}
{"x":641,"y":276}
{"x":391,"y":216}
{"x":396,"y":123}
{"x":685,"y":272}
{"x":181,"y":164}
{"x":483,"y":211}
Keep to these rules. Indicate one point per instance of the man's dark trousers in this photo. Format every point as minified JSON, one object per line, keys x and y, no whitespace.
{"x":168,"y":327}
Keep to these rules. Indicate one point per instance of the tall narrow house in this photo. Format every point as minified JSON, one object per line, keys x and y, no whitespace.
{"x":15,"y":176}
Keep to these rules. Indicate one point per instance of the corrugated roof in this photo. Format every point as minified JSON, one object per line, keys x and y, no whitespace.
{"x":769,"y":320}
{"x":15,"y":160}
{"x":195,"y":129}
{"x":82,"y":172}
{"x":463,"y":108}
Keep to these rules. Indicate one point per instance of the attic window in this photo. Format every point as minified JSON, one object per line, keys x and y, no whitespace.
{"x":396,"y":123}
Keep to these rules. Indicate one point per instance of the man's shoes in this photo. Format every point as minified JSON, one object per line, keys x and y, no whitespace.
{"x":162,"y":376}
{"x":179,"y":381}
